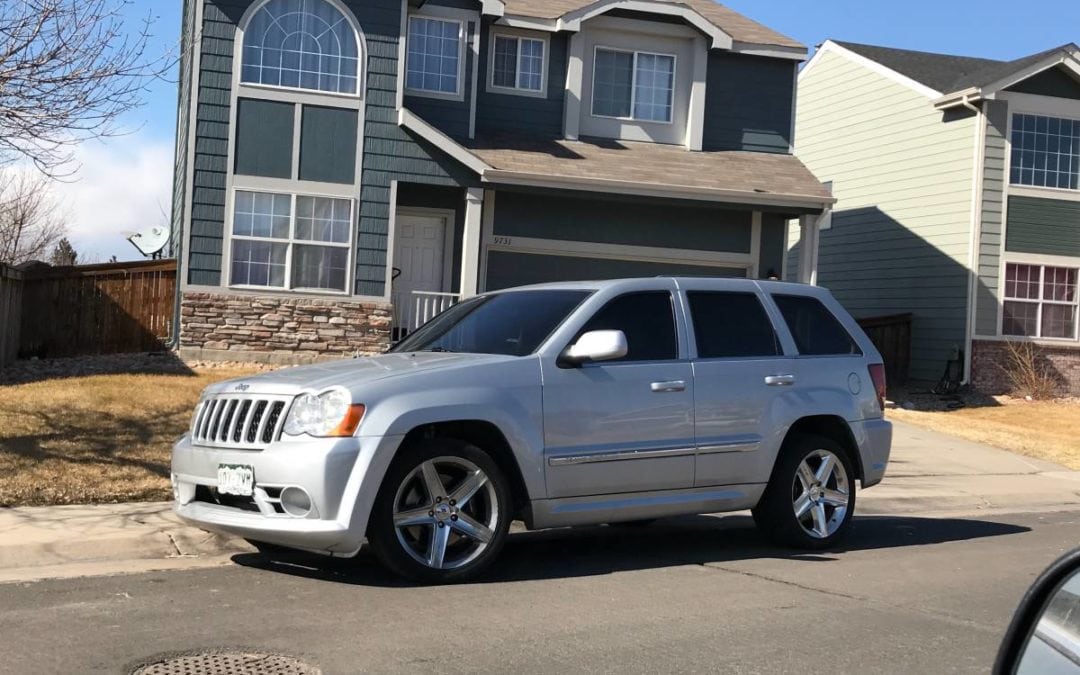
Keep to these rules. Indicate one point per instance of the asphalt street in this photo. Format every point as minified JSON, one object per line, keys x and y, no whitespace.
{"x":908,"y":594}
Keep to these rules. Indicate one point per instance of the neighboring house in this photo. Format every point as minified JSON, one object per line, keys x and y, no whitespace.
{"x":345,"y":168}
{"x":958,"y":198}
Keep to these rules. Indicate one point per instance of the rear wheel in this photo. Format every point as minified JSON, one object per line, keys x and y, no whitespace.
{"x":810,"y":499}
{"x":442,"y":513}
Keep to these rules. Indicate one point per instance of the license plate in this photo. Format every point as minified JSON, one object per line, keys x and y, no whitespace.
{"x":236,"y":480}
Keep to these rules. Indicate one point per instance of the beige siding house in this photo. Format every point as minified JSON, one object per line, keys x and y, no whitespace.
{"x":944,"y":201}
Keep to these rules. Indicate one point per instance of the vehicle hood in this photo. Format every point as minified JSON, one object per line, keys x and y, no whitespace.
{"x":350,"y":373}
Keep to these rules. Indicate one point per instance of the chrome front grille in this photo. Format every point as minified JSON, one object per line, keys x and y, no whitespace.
{"x":248,"y":422}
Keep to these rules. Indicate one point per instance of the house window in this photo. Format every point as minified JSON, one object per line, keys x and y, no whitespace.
{"x":1040,"y":301}
{"x":434,"y":58}
{"x":294,"y":242}
{"x":1045,"y":152}
{"x":633,"y":85}
{"x":517,"y":63}
{"x":301,"y":44}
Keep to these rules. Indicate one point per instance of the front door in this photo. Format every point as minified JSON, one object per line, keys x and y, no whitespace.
{"x":626,"y":425}
{"x":419,"y":266}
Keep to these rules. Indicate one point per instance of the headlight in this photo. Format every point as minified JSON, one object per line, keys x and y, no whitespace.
{"x":330,"y":414}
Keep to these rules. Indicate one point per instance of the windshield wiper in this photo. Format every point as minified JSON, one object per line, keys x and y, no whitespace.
{"x":440,"y":350}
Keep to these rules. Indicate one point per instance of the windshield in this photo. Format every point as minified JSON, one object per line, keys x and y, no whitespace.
{"x":512,"y":324}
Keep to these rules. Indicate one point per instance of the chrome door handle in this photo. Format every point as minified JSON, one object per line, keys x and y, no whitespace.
{"x":668,"y":387}
{"x":780,"y":380}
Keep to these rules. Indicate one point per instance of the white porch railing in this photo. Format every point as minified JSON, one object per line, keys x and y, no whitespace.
{"x":417,"y":308}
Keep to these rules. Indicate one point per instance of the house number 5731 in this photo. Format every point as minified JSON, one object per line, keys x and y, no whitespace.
{"x":504,"y":241}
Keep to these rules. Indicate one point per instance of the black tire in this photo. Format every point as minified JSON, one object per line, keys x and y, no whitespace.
{"x":775,"y":514}
{"x":394,"y":551}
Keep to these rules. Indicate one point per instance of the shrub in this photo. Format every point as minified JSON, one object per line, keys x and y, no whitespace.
{"x":1029,"y":372}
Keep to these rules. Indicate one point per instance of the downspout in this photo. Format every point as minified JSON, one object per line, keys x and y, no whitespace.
{"x":978,"y":176}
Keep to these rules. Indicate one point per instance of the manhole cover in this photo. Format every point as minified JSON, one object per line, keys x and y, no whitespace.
{"x":228,"y":663}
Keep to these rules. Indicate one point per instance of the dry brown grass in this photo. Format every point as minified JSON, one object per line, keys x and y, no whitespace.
{"x":94,"y":439}
{"x":1047,"y":430}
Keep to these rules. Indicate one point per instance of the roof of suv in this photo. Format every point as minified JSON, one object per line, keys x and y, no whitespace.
{"x":599,"y":285}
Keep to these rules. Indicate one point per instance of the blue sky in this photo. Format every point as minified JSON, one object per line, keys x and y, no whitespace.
{"x":124,"y":183}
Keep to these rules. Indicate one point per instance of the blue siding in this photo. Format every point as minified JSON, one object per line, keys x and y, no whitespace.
{"x":508,"y":113}
{"x":449,"y":116}
{"x":389,"y":153}
{"x":748,"y":103}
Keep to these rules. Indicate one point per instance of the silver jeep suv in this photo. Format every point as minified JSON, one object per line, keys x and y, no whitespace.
{"x":562,"y":404}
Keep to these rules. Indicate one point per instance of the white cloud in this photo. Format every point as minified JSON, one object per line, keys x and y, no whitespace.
{"x":123,"y":185}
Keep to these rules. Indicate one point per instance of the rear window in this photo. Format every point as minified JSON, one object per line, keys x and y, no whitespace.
{"x":731,"y":325}
{"x":816,"y":331}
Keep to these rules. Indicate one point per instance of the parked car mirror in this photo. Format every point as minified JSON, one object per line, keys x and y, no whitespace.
{"x":597,"y":345}
{"x":1044,"y":636}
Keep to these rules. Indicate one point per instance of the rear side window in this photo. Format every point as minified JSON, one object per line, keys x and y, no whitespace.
{"x":816,"y":331}
{"x":731,"y":325}
{"x":647,"y":319}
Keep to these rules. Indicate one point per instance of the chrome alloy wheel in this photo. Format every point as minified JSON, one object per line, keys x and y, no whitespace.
{"x":821,"y":494}
{"x":446,"y":513}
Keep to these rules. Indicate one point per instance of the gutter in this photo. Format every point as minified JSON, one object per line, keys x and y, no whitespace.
{"x":978,"y":175}
{"x":963,"y":98}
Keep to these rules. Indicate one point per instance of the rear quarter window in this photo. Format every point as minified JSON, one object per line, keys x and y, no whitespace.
{"x":815,"y":330}
{"x":731,"y":325}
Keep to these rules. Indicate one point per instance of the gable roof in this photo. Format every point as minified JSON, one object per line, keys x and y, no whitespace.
{"x":739,"y":27}
{"x":948,"y":73}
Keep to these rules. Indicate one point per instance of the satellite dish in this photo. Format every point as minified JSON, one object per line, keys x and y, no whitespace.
{"x":151,"y":242}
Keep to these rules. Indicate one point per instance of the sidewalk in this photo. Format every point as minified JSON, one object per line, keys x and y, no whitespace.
{"x":930,"y":473}
{"x":46,"y":542}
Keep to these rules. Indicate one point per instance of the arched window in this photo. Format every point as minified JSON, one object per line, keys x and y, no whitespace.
{"x":303,"y":44}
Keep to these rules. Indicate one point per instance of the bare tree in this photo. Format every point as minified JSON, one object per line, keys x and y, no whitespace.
{"x":31,"y":223}
{"x":68,"y":70}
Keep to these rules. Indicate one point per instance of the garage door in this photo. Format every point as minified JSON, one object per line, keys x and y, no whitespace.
{"x":506,"y":269}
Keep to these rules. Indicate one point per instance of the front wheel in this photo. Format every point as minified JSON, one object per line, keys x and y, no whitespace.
{"x":810,"y":499}
{"x":442,"y":513}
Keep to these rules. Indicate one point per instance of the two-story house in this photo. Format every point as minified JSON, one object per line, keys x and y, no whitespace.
{"x":347,"y":168}
{"x":958,"y":199}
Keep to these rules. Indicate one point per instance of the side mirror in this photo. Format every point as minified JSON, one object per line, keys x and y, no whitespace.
{"x":1044,"y":636}
{"x":597,"y":345}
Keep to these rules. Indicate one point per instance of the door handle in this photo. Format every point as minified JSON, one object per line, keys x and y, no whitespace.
{"x":780,"y":380}
{"x":668,"y":387}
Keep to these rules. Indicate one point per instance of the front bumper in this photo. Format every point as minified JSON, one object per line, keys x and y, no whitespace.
{"x":340,"y":476}
{"x":874,"y":438}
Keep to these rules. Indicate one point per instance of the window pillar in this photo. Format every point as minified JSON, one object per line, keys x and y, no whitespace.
{"x":470,"y":242}
{"x":808,"y":249}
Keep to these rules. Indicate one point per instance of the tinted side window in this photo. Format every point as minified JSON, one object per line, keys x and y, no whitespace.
{"x":647,"y":319}
{"x":816,"y":331}
{"x":730,"y":325}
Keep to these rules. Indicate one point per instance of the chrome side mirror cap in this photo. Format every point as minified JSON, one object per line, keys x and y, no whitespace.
{"x":597,"y":345}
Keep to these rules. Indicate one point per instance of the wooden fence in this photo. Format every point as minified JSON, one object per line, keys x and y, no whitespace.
{"x":11,"y":281}
{"x":892,"y":337}
{"x":95,"y":309}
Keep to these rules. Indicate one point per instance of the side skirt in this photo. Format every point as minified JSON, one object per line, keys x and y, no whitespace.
{"x":614,"y":508}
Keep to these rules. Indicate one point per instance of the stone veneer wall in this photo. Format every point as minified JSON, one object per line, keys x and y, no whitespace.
{"x":988,"y":357}
{"x":292,"y":329}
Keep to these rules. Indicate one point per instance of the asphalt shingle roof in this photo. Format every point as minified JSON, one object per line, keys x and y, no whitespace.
{"x":945,"y":73}
{"x":657,"y":164}
{"x":739,"y":27}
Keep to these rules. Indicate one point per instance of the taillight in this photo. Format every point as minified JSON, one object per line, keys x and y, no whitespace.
{"x":877,"y":375}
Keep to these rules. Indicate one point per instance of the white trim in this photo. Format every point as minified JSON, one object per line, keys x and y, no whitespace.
{"x":528,"y":23}
{"x":224,"y":291}
{"x":719,"y":39}
{"x":575,"y":77}
{"x":1038,"y":106}
{"x":1042,"y":262}
{"x":403,"y":54}
{"x":1064,"y":194}
{"x":440,"y":140}
{"x":449,"y":217}
{"x":975,"y":241}
{"x":1057,"y":343}
{"x":517,"y":35}
{"x":830,"y":47}
{"x":647,"y":29}
{"x":391,"y":242}
{"x":1043,"y":259}
{"x":474,"y":90}
{"x":470,"y":242}
{"x":184,"y":272}
{"x":487,"y":236}
{"x":444,"y":15}
{"x":695,"y":116}
{"x":797,"y":54}
{"x":583,"y":249}
{"x":270,"y":92}
{"x":633,"y":84}
{"x":1045,"y":106}
{"x":742,"y":197}
{"x":755,"y":245}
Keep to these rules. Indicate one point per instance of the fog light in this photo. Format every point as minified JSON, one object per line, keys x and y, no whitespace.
{"x":296,"y":502}
{"x":183,"y":493}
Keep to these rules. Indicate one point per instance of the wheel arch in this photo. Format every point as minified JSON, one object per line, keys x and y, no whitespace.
{"x":832,"y":427}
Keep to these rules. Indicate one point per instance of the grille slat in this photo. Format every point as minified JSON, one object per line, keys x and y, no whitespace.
{"x":246,"y":422}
